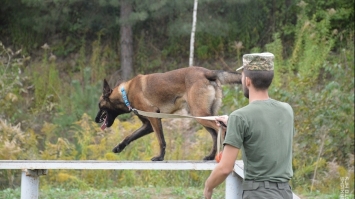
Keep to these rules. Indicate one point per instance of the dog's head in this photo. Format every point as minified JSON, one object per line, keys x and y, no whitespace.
{"x":110,"y":106}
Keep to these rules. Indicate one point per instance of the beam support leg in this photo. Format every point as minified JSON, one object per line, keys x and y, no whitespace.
{"x":234,"y":189}
{"x":30,"y":183}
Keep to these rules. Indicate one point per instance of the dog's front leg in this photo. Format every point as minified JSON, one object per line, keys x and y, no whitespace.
{"x":158,"y":129}
{"x":145,"y":129}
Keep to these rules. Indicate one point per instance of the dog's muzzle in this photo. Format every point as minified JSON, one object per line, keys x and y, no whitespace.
{"x":102,"y":118}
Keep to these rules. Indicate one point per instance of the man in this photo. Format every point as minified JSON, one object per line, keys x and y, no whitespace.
{"x":264,"y":131}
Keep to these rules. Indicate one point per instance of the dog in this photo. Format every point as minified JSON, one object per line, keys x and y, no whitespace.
{"x":196,"y":89}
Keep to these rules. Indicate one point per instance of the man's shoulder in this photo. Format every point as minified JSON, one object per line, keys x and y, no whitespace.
{"x":284,"y":104}
{"x":268,"y":105}
{"x":281,"y":102}
{"x":244,"y":112}
{"x":241,"y":111}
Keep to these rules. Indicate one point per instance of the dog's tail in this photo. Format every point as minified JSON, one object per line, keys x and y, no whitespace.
{"x":227,"y":77}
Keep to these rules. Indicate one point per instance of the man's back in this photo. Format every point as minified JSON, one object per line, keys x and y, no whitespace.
{"x":264,"y":130}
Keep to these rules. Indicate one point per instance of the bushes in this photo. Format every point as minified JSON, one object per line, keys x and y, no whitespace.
{"x":323,"y":146}
{"x":319,"y":85}
{"x":56,"y":106}
{"x":88,"y":142}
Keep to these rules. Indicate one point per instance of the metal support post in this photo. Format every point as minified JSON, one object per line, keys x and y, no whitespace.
{"x":30,"y":182}
{"x":234,"y":186}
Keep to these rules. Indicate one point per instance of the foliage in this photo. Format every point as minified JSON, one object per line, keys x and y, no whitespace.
{"x":322,"y":95}
{"x":12,"y":83}
{"x":277,"y":49}
{"x":326,"y":116}
{"x":48,"y":103}
{"x":124,"y":192}
{"x":15,"y":144}
{"x":90,"y":143}
{"x":46,"y":82}
{"x":167,"y":23}
{"x":313,"y":38}
{"x":342,"y":20}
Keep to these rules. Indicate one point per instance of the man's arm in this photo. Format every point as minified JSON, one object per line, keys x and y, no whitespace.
{"x":222,"y":170}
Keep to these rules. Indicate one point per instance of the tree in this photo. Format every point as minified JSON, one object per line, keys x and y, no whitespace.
{"x":126,"y":40}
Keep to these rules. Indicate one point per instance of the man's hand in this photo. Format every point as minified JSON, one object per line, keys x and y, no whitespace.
{"x":222,"y":121}
{"x":222,"y":170}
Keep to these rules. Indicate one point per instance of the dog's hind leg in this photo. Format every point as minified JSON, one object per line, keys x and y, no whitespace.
{"x":212,"y":154}
{"x":145,"y":129}
{"x":212,"y":128}
{"x":158,"y":129}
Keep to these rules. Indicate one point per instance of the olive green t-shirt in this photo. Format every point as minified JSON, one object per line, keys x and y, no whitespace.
{"x":264,"y":131}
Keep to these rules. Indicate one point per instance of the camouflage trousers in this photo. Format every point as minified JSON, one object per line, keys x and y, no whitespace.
{"x":266,"y":190}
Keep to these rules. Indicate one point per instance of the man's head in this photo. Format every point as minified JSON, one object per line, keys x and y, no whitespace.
{"x":258,"y":68}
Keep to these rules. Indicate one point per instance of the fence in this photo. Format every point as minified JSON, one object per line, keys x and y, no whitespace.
{"x":33,"y":169}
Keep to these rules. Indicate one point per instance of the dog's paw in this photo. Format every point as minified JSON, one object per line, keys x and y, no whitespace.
{"x":115,"y":150}
{"x":158,"y":158}
{"x":118,"y":148}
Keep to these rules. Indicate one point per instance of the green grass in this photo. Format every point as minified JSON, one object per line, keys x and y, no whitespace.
{"x":125,"y":192}
{"x":149,"y":192}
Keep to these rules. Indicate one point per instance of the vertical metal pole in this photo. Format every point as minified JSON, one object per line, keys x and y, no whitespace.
{"x":29,"y":186}
{"x":192,"y":40}
{"x":234,"y":188}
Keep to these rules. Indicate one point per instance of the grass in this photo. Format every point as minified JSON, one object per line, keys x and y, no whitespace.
{"x":125,"y":192}
{"x":149,"y":192}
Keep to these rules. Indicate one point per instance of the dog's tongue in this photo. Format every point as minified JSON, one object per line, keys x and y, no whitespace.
{"x":103,"y":126}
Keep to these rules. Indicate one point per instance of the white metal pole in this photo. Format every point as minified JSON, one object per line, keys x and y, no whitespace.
{"x":192,"y":40}
{"x":234,"y":186}
{"x":29,"y":186}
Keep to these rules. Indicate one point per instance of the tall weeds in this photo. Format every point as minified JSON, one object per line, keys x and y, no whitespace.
{"x":49,"y":115}
{"x":319,"y":85}
{"x":46,"y":82}
{"x":90,"y":143}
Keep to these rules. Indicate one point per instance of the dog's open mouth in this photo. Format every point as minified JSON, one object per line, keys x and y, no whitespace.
{"x":103,"y":120}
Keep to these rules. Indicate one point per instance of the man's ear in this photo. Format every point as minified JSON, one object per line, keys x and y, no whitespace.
{"x":247,"y":82}
{"x":106,"y":91}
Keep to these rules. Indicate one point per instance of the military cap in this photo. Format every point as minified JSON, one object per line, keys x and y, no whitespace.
{"x":258,"y":62}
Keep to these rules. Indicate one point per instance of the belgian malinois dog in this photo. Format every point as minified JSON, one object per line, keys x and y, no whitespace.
{"x":196,"y":89}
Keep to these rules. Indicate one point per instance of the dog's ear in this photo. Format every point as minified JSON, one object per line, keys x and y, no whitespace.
{"x":106,"y":92}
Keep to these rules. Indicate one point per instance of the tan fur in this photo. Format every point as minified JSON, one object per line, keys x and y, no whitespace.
{"x":195,"y":88}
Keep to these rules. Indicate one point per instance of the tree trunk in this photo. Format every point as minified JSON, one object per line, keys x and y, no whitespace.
{"x":192,"y":40}
{"x":126,"y":41}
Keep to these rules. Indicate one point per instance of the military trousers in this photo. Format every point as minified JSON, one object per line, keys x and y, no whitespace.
{"x":266,"y":190}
